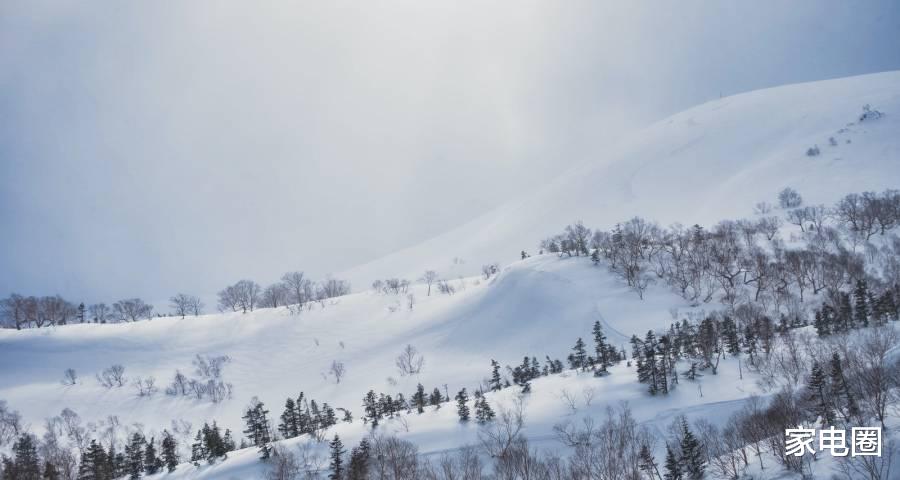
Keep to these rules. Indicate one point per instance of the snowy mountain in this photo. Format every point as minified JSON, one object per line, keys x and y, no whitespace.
{"x":703,"y":165}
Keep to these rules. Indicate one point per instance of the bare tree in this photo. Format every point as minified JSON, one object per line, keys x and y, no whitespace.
{"x":100,"y":312}
{"x":429,"y":278}
{"x":13,"y":311}
{"x":409,"y":362}
{"x":184,"y":304}
{"x":789,"y":198}
{"x":275,"y":295}
{"x":298,"y":286}
{"x":333,"y":287}
{"x":337,"y":370}
{"x":114,"y":376}
{"x":243,"y":295}
{"x":131,"y":310}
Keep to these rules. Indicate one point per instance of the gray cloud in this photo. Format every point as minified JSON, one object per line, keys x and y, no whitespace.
{"x":154,"y":147}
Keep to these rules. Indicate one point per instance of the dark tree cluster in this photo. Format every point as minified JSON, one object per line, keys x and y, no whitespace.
{"x":210,"y":444}
{"x":858,"y":309}
{"x":305,"y":417}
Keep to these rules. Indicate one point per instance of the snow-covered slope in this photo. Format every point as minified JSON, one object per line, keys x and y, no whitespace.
{"x":705,"y":164}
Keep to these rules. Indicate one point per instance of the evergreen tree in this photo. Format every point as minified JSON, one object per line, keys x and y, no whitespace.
{"x":845,"y":313}
{"x":337,"y":461}
{"x":692,"y":458}
{"x":495,"y":375}
{"x":152,"y":462}
{"x":25,"y":463}
{"x":600,"y":347}
{"x":256,"y":418}
{"x":134,"y":453}
{"x":461,"y":408}
{"x":198,"y":448}
{"x":51,"y":472}
{"x":822,"y":327}
{"x":169,"y":451}
{"x":370,"y":406}
{"x":730,"y":335}
{"x":289,"y":426}
{"x":673,"y":466}
{"x":578,"y":357}
{"x":358,"y":469}
{"x":328,"y":416}
{"x":436,"y":398}
{"x":419,"y":398}
{"x":228,"y":441}
{"x":817,"y":392}
{"x":647,"y":463}
{"x":861,"y":297}
{"x":840,"y":388}
{"x":483,"y":411}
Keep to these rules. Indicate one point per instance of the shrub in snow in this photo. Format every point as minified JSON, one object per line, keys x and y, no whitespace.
{"x":812,"y":151}
{"x":113,"y":376}
{"x":789,"y":198}
{"x":869,"y":113}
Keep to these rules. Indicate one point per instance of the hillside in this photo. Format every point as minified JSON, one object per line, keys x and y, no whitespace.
{"x":708,"y":163}
{"x":703,"y":165}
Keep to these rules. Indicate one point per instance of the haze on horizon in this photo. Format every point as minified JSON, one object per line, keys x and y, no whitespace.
{"x":158,"y":147}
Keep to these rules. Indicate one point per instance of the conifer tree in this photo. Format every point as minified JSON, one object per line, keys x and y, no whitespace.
{"x":461,"y":408}
{"x":600,"y":348}
{"x":861,"y":297}
{"x":26,"y":464}
{"x":256,"y":418}
{"x":578,"y":357}
{"x":673,"y":466}
{"x":730,"y":335}
{"x":370,"y":406}
{"x":134,"y":453}
{"x":692,"y":458}
{"x":289,"y":426}
{"x":358,"y":469}
{"x":817,"y":392}
{"x":495,"y":375}
{"x":152,"y":462}
{"x":51,"y":472}
{"x":198,"y":448}
{"x":647,"y":463}
{"x":337,"y":461}
{"x":483,"y":411}
{"x":169,"y":451}
{"x":436,"y":398}
{"x":840,"y":388}
{"x":419,"y":399}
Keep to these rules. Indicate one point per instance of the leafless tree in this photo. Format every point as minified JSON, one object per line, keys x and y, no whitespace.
{"x":243,"y":295}
{"x":131,"y":310}
{"x":114,"y":376}
{"x":337,"y":370}
{"x":145,"y":386}
{"x":394,"y":459}
{"x":298,"y":286}
{"x":410,"y":361}
{"x":184,"y":304}
{"x":789,"y":198}
{"x":283,"y":464}
{"x":332,"y":287}
{"x":10,"y":424}
{"x":13,"y":311}
{"x":275,"y":295}
{"x":100,"y":312}
{"x":429,"y":278}
{"x":499,"y":436}
{"x":445,"y":287}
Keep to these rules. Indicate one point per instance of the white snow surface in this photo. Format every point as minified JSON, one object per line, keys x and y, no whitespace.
{"x":709,"y":163}
{"x":703,"y":165}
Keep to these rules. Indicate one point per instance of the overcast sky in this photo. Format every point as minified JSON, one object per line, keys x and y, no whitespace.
{"x":153,"y":147}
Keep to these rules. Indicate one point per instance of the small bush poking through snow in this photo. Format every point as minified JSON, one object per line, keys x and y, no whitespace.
{"x":870,"y":113}
{"x":812,"y":151}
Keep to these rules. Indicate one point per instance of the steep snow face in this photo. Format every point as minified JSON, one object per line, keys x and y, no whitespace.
{"x":538,"y":307}
{"x":706,"y":164}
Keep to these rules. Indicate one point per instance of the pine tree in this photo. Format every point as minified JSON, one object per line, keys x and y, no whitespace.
{"x":845,"y":313}
{"x":730,"y":335}
{"x":600,"y":347}
{"x":169,"y":451}
{"x":461,"y":408}
{"x":578,"y":357}
{"x":51,"y":472}
{"x":692,"y":461}
{"x":673,"y":467}
{"x":198,"y":448}
{"x":370,"y":406}
{"x":256,"y":418}
{"x":358,"y":469}
{"x":26,"y":465}
{"x":647,"y":463}
{"x":817,"y":392}
{"x":418,"y":399}
{"x":495,"y":375}
{"x":337,"y":461}
{"x":152,"y":463}
{"x":840,"y":388}
{"x":483,"y":411}
{"x":436,"y":398}
{"x":289,"y":426}
{"x":134,"y":452}
{"x":861,"y":310}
